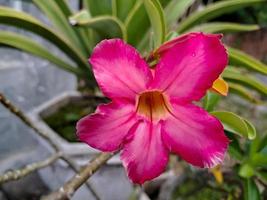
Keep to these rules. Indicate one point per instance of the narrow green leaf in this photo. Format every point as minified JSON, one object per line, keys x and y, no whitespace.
{"x":99,"y":7}
{"x":175,"y":9}
{"x":124,"y":8}
{"x":51,"y":9}
{"x":137,"y":23}
{"x":171,"y":35}
{"x":244,"y":79}
{"x":223,"y":27}
{"x":106,"y":26}
{"x":242,"y":92}
{"x":235,"y":124}
{"x":22,"y":20}
{"x":210,"y":101}
{"x":84,"y":36}
{"x":157,"y":19}
{"x":237,"y":57}
{"x":214,"y":10}
{"x":17,"y":41}
{"x":263,"y":143}
{"x":251,"y":191}
{"x":258,"y":160}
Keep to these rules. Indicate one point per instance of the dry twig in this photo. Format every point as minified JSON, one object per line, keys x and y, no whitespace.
{"x":20,"y":173}
{"x":12,"y":108}
{"x":66,"y":191}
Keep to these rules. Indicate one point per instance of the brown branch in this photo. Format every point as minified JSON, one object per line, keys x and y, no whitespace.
{"x":12,"y":108}
{"x":20,"y":173}
{"x":68,"y":189}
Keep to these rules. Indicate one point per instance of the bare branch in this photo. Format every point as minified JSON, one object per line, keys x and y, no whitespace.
{"x":12,"y":108}
{"x":66,"y":192}
{"x":20,"y":173}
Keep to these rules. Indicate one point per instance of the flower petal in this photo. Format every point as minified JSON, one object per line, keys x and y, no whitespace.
{"x":119,"y":69}
{"x":106,"y":129}
{"x":144,"y":155}
{"x":220,"y":86}
{"x":195,"y":135}
{"x":189,"y":68}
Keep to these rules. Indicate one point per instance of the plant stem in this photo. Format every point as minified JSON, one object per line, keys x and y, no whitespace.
{"x":12,"y":108}
{"x":20,"y":173}
{"x":68,"y":189}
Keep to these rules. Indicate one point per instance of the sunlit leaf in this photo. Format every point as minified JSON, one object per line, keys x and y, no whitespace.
{"x":242,"y":92}
{"x":214,"y":10}
{"x":24,"y":21}
{"x":98,"y":7}
{"x":57,"y":17}
{"x":235,"y":124}
{"x":100,"y":24}
{"x":239,"y":58}
{"x":223,"y":27}
{"x":157,"y":19}
{"x":251,"y":191}
{"x":231,"y":74}
{"x":175,"y":9}
{"x":17,"y":41}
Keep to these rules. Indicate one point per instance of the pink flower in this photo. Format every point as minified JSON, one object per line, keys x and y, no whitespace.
{"x":151,"y":113}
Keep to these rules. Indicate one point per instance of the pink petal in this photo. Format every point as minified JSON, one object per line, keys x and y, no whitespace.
{"x":189,"y":68}
{"x":171,"y":43}
{"x":119,"y":69}
{"x":106,"y":129}
{"x":144,"y":156}
{"x":195,"y":135}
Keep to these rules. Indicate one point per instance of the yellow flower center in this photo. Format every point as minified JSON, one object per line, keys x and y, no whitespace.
{"x":153,"y":105}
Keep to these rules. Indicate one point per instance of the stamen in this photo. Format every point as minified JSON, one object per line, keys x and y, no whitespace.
{"x":153,"y":105}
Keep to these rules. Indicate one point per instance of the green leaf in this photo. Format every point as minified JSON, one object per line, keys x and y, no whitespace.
{"x":231,"y":74}
{"x":246,"y":171}
{"x":214,"y":10}
{"x":175,"y":9}
{"x":137,"y":23}
{"x":210,"y":101}
{"x":258,"y":160}
{"x":223,"y":27}
{"x":84,"y":35}
{"x":51,"y":9}
{"x":17,"y":41}
{"x":124,"y":7}
{"x":235,"y":124}
{"x":251,"y":130}
{"x":242,"y":92}
{"x":22,"y":20}
{"x":106,"y":26}
{"x":251,"y":191}
{"x":99,"y":7}
{"x":237,"y":57}
{"x":157,"y":19}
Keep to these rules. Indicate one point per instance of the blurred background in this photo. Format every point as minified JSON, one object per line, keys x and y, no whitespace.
{"x":44,"y":46}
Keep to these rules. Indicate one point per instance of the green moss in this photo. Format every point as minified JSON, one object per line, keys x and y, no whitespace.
{"x":64,"y":120}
